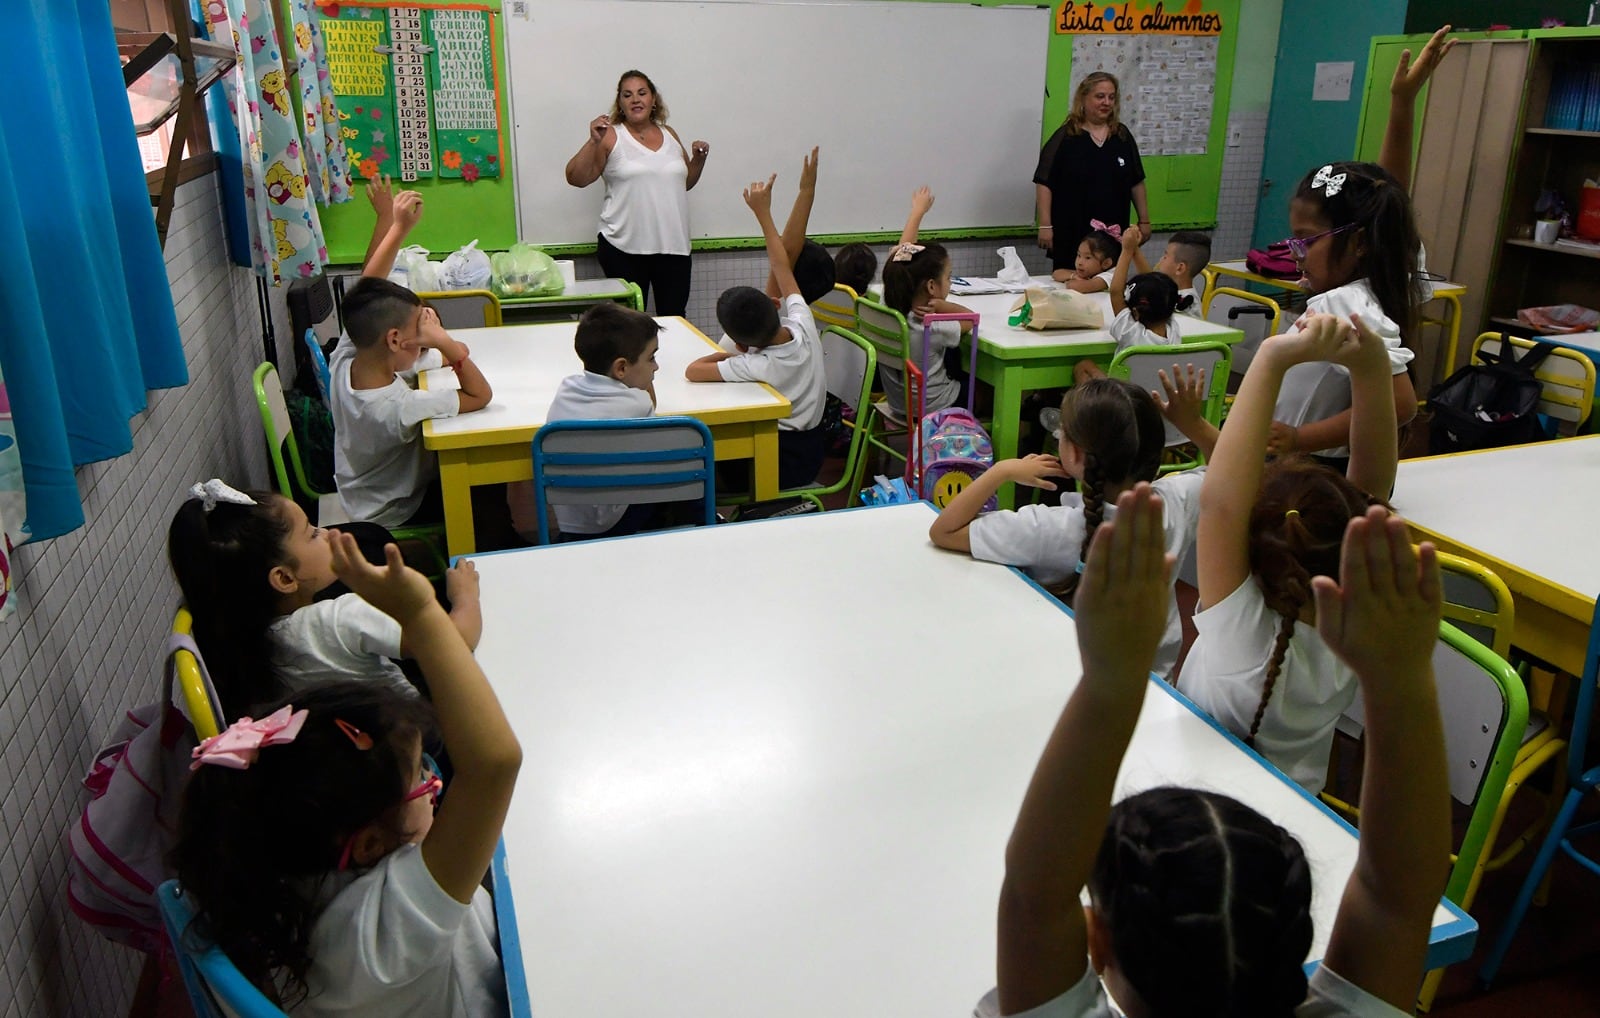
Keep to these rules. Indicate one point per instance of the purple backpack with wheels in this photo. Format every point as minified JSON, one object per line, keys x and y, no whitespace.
{"x":950,"y":448}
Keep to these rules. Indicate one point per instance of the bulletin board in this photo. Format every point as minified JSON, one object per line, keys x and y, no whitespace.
{"x":422,"y":87}
{"x":1175,"y":69}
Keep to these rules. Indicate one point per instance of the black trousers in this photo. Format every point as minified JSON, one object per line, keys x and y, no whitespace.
{"x":669,"y":274}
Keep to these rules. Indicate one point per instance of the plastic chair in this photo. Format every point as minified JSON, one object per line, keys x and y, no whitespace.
{"x":464,"y":309}
{"x":200,"y":698}
{"x":1567,"y":376}
{"x":851,"y":365}
{"x":632,"y":462}
{"x":1234,"y":308}
{"x":836,"y":307}
{"x":319,"y":367}
{"x":1582,"y":781}
{"x":939,"y":490}
{"x":284,"y":453}
{"x":1141,"y":364}
{"x":890,"y":336}
{"x":217,"y":988}
{"x":1484,"y":709}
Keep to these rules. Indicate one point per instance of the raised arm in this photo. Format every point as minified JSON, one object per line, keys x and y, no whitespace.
{"x":794,"y":230}
{"x":1382,"y":619}
{"x":585,"y":167}
{"x":949,"y":529}
{"x":1131,"y":239}
{"x":1222,"y":555}
{"x":484,"y":751}
{"x":1374,"y":432}
{"x":1409,"y":77}
{"x":380,"y":195}
{"x":405,"y":212}
{"x":1183,"y":402}
{"x":759,"y":197}
{"x":1121,"y":615}
{"x":921,"y":202}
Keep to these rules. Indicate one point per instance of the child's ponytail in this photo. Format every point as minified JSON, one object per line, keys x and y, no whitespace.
{"x":1119,"y":429}
{"x":1367,"y":196}
{"x":221,"y":556}
{"x":1153,"y":296}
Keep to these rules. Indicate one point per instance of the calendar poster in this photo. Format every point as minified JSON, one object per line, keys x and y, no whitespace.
{"x":358,"y":67}
{"x":466,"y":109}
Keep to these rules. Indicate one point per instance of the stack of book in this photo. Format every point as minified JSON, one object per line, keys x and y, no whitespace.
{"x":1574,"y":103}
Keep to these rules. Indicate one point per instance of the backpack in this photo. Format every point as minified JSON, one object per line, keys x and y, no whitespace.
{"x":952,"y":451}
{"x":1483,"y":406}
{"x":118,"y":845}
{"x":1273,"y":260}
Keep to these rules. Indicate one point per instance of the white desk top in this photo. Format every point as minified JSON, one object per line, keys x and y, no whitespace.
{"x":1586,"y":341}
{"x":526,"y":363}
{"x":995,"y":330}
{"x":743,"y":792}
{"x":1530,"y":506}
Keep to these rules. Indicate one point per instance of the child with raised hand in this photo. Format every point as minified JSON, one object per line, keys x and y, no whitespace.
{"x":1111,"y":439}
{"x":780,"y":347}
{"x":1265,"y":530}
{"x":250,"y":565}
{"x":397,"y":215}
{"x":1091,"y":271}
{"x":1199,"y":905}
{"x":1143,"y":306}
{"x":916,"y":283}
{"x":310,"y":843}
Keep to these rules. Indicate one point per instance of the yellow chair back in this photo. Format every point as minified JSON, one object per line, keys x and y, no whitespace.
{"x":836,"y":308}
{"x":1567,"y":376}
{"x":464,"y":309}
{"x":198,"y":700}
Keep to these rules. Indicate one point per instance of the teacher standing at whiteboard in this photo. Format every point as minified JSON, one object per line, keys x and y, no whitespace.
{"x":1088,"y":171}
{"x":644,"y":223}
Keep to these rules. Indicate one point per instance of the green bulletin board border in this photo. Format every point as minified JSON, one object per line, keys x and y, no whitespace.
{"x":1183,"y":190}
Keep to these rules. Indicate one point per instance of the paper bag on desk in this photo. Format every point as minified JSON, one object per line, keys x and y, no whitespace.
{"x":1043,"y":307}
{"x":1012,"y":272}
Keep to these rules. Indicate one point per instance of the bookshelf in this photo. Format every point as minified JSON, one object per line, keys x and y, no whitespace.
{"x":1554,"y":151}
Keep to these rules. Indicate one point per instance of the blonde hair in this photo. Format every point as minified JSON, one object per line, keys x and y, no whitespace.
{"x":1080,"y":102}
{"x":658,"y":109}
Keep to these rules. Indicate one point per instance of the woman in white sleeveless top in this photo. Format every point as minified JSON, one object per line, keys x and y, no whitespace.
{"x":644,"y":223}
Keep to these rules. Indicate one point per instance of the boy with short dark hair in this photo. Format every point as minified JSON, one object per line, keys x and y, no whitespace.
{"x":779,"y":346}
{"x":380,"y":466}
{"x":1188,"y":252}
{"x":617,"y":346}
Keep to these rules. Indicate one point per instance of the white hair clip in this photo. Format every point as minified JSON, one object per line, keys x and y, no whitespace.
{"x":215,"y":490}
{"x":1329,"y":181}
{"x":905,"y":252}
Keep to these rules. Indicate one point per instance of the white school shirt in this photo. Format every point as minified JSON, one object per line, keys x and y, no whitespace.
{"x":341,"y":638}
{"x":1044,"y":542}
{"x":1328,"y":995}
{"x":646,"y":210}
{"x":379,"y":464}
{"x":1128,"y":331}
{"x":1319,"y":390}
{"x":581,"y":397}
{"x":793,"y":368}
{"x":391,"y":943}
{"x":1227,"y":668}
{"x":940,"y":391}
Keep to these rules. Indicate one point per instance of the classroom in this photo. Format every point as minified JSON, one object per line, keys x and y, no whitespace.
{"x":567,"y":508}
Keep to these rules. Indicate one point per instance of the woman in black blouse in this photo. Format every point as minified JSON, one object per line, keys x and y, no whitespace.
{"x":1088,"y":170}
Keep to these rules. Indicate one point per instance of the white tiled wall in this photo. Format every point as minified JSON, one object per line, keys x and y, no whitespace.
{"x":1241,"y":186}
{"x":94,"y":609}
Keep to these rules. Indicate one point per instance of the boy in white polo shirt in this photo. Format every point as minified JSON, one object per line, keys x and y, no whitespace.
{"x":779,"y":346}
{"x":617,"y":346}
{"x":379,"y":464}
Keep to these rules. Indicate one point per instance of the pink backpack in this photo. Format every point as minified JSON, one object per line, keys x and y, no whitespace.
{"x":118,"y":846}
{"x":1274,"y":260}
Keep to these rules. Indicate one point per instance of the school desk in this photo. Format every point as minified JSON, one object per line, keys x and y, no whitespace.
{"x":1015,"y":360}
{"x":1443,"y":290}
{"x":1527,"y":512}
{"x":1588,"y":344}
{"x":572,"y":301}
{"x":525,"y":363}
{"x":742,"y":794}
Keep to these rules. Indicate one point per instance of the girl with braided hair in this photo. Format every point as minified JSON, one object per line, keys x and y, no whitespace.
{"x":1111,"y":438}
{"x":1265,"y":530}
{"x":1199,"y":906}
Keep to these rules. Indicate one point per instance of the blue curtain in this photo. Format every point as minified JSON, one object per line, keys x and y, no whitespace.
{"x":86,"y":317}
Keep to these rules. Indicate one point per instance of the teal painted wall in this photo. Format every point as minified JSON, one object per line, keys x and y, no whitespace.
{"x":1475,"y":15}
{"x":1302,"y":133}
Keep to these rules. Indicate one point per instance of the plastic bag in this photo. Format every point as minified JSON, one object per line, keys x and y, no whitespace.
{"x":1044,"y":307}
{"x":413,"y":271}
{"x":526,"y":271}
{"x":466,"y":268}
{"x":1012,"y":271}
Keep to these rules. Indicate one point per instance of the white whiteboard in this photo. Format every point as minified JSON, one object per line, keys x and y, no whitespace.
{"x":897,"y":94}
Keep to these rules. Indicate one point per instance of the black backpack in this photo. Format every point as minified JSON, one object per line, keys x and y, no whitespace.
{"x":1483,"y":406}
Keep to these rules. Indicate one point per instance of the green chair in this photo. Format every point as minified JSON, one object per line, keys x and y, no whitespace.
{"x":851,"y":364}
{"x":1140,"y":364}
{"x":890,"y":337}
{"x":284,"y":452}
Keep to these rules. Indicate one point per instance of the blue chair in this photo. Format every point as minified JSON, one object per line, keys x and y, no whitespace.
{"x":629,"y":462}
{"x":320,"y":362}
{"x":217,"y":989}
{"x":1583,"y":779}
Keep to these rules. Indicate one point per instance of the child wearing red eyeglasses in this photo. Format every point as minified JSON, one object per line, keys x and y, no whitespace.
{"x":309,"y":841}
{"x":1356,"y":242}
